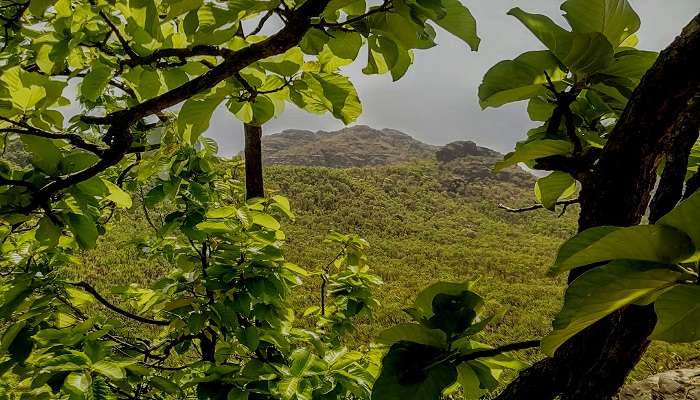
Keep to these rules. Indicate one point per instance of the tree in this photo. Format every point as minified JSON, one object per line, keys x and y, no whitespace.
{"x":611,"y":115}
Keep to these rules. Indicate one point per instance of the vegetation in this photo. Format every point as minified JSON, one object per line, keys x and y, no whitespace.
{"x":221,"y":323}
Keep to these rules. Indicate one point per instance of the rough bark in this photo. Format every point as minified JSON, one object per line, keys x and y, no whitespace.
{"x":254,"y":186}
{"x":594,"y":364}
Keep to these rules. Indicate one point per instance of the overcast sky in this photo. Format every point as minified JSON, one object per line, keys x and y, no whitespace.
{"x":436,"y":101}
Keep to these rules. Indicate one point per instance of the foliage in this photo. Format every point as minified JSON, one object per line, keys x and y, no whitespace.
{"x":652,"y":263}
{"x":578,"y":87}
{"x":225,"y":325}
{"x":436,"y":353}
{"x":148,"y":76}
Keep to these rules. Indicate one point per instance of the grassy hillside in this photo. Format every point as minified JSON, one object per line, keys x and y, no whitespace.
{"x":426,"y":222}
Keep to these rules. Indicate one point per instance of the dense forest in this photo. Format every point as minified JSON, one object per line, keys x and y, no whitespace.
{"x":137,"y":263}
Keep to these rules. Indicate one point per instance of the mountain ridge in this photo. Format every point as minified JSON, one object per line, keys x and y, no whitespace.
{"x":359,"y":146}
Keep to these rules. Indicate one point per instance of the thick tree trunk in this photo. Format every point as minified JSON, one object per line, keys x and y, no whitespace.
{"x":254,"y":186}
{"x":594,"y":364}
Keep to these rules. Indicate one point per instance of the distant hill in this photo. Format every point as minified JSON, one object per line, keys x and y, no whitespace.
{"x":356,"y":146}
{"x":362,"y":146}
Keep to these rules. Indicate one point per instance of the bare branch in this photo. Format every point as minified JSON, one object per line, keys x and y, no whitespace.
{"x":538,"y":206}
{"x":85,"y":286}
{"x":529,"y":344}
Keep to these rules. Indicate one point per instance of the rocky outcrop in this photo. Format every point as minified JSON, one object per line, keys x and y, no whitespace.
{"x":462,"y":149}
{"x":680,"y":384}
{"x":356,"y":146}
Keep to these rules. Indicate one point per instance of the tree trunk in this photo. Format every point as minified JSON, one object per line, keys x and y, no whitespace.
{"x":594,"y":364}
{"x":254,"y":186}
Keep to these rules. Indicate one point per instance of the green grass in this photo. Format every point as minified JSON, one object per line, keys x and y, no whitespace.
{"x":422,"y":228}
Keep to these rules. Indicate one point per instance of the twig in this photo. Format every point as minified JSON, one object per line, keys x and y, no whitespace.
{"x":261,"y":23}
{"x":538,"y":206}
{"x":85,"y":286}
{"x":529,"y":344}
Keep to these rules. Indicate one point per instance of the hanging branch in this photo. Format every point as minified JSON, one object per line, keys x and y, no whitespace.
{"x":85,"y":286}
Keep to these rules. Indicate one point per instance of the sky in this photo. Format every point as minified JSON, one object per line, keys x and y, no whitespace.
{"x":436,"y":101}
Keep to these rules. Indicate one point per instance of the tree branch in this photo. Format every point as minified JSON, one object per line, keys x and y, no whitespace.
{"x":85,"y":286}
{"x":538,"y":206}
{"x":73,"y":139}
{"x":529,"y":344}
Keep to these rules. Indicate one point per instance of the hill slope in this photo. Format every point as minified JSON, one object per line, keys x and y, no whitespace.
{"x":355,"y":146}
{"x":426,"y":220}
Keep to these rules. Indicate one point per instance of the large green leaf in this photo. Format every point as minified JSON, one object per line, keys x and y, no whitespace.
{"x":195,"y":114}
{"x":678,"y":312}
{"x":519,"y":79}
{"x":325,"y":91}
{"x":424,"y":299}
{"x":95,"y":82}
{"x":553,"y":187}
{"x":614,"y":18}
{"x":630,"y":64}
{"x":657,"y":243}
{"x":582,"y":53}
{"x":109,"y":369}
{"x":409,"y":372}
{"x":685,"y":217}
{"x":45,"y":155}
{"x":603,"y":290}
{"x":83,"y":229}
{"x":534,"y":150}
{"x":459,"y":22}
{"x":409,"y":332}
{"x":77,"y":384}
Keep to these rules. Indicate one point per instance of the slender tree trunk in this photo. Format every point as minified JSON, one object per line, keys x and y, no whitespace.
{"x":254,"y":186}
{"x":594,"y":364}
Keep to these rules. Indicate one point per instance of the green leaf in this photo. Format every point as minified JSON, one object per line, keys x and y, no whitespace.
{"x":109,"y":369}
{"x":459,"y":22}
{"x":409,"y":372}
{"x":424,"y":299}
{"x":324,"y":91}
{"x":534,"y":150}
{"x":45,"y":155}
{"x":603,"y":290}
{"x":83,"y":229}
{"x":414,"y":333}
{"x":77,"y":383}
{"x":469,"y":380}
{"x":630,"y":64}
{"x":519,"y":79}
{"x":265,"y":220}
{"x":47,"y":233}
{"x":222,"y":212}
{"x":656,"y":243}
{"x":345,"y":45}
{"x":614,"y":18}
{"x":553,"y":187}
{"x":95,"y":82}
{"x":685,"y":217}
{"x":582,"y":53}
{"x":285,"y":64}
{"x":165,"y":385}
{"x":116,"y":195}
{"x":195,"y":114}
{"x":678,"y":312}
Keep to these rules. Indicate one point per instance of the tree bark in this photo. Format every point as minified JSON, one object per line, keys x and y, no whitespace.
{"x":254,"y":186}
{"x":594,"y":364}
